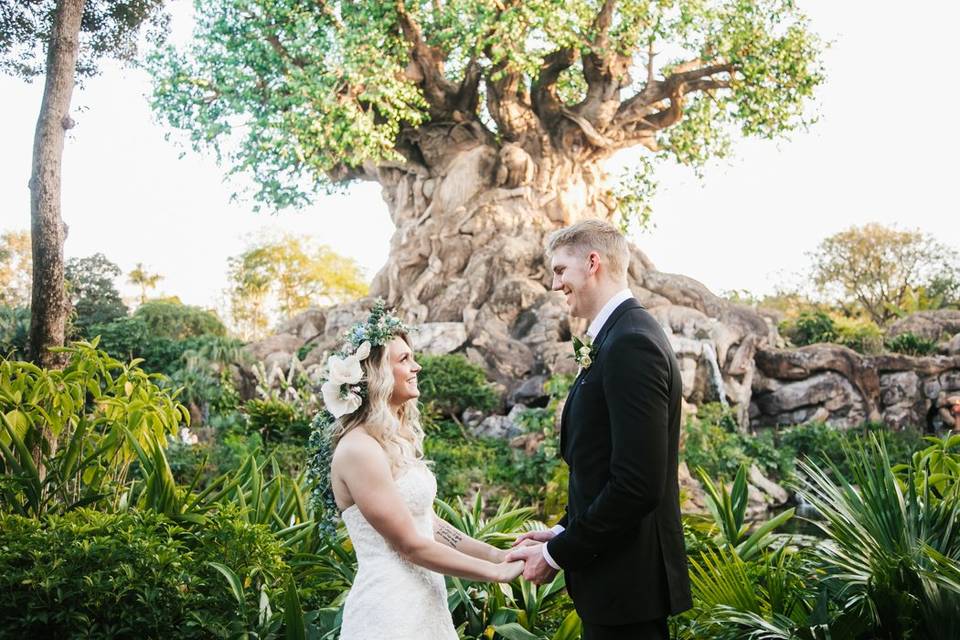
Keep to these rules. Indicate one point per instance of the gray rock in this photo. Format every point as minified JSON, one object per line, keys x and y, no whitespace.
{"x":953,"y":346}
{"x":497,"y":426}
{"x":930,"y":325}
{"x":281,"y":343}
{"x":530,"y":392}
{"x":777,"y":493}
{"x":472,"y":418}
{"x":439,"y":337}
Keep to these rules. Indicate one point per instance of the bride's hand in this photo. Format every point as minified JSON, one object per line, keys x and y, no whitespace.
{"x":509,"y":571}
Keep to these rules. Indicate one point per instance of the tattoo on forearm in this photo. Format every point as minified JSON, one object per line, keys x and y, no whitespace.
{"x":448,"y":534}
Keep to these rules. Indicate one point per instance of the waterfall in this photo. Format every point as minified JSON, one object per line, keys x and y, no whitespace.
{"x":715,"y":376}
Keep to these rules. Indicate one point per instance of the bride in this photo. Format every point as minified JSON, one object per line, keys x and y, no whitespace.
{"x":381,"y":485}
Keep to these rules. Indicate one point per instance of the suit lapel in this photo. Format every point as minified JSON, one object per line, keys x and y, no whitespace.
{"x":626,"y":305}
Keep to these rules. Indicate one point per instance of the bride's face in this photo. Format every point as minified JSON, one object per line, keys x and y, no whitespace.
{"x":405,"y":370}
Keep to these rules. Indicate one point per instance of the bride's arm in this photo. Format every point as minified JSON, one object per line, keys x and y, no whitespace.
{"x":447,"y":534}
{"x":363,"y":467}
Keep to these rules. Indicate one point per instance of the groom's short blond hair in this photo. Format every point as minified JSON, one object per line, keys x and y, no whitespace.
{"x":594,"y":235}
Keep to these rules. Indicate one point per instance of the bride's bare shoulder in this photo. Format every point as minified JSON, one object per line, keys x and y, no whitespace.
{"x":358,"y":447}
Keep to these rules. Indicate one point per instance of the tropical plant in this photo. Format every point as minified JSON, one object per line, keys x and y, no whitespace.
{"x":99,"y":413}
{"x":894,"y":548}
{"x":143,"y":279}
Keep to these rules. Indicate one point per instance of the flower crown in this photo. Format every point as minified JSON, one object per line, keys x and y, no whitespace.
{"x":344,"y":391}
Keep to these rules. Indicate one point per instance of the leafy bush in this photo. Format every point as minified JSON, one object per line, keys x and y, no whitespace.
{"x":825,"y":445}
{"x":171,"y":319}
{"x":276,"y":420}
{"x":811,"y":327}
{"x":713,"y":442}
{"x":90,"y":286}
{"x":894,"y":557}
{"x":130,"y":575}
{"x":912,"y":345}
{"x":450,"y":384}
{"x":863,"y":336}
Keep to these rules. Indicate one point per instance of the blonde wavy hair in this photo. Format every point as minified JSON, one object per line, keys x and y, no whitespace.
{"x":400,"y":436}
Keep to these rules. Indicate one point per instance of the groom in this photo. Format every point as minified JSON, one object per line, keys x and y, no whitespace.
{"x":620,"y":541}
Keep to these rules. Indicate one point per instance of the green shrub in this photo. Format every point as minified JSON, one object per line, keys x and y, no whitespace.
{"x":276,"y":420}
{"x":450,"y":384}
{"x":863,"y":336}
{"x":130,"y":575}
{"x":810,"y":328}
{"x":713,"y":442}
{"x":824,"y":445}
{"x":171,"y":319}
{"x":912,"y":345}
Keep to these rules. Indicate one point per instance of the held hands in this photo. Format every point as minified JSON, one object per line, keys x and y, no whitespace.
{"x":509,"y":571}
{"x":535,"y":567}
{"x":533,"y":537}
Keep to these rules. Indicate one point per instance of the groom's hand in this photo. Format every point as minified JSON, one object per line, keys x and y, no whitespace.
{"x":535,"y":567}
{"x":533,"y":537}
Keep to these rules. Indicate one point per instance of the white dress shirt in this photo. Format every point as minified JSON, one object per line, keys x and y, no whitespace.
{"x":618,"y":298}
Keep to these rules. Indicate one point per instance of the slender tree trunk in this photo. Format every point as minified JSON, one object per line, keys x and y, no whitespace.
{"x":48,"y":311}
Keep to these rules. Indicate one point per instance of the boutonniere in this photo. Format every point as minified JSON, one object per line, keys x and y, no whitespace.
{"x":583,"y":351}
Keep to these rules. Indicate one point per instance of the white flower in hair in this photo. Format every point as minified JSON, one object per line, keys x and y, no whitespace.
{"x":339,"y":403}
{"x":339,"y":393}
{"x":344,"y":370}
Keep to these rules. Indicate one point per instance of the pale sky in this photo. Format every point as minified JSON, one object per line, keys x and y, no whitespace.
{"x":881,"y":152}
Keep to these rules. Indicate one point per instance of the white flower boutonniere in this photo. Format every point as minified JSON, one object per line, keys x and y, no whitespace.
{"x":583,"y":351}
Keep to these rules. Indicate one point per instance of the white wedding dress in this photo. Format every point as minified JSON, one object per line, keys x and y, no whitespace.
{"x":391,"y":598}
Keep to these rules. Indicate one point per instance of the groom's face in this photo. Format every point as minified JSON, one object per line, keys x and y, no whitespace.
{"x":572,"y":275}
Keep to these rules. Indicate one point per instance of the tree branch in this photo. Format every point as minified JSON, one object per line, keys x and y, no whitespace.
{"x":544,"y":90}
{"x":605,"y":71}
{"x":428,"y":72}
{"x":638,"y":107}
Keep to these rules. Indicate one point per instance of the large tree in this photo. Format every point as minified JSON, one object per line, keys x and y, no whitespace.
{"x":62,"y":40}
{"x":486,"y":122}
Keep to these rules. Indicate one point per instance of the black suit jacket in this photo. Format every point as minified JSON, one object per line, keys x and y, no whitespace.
{"x":623,"y":550}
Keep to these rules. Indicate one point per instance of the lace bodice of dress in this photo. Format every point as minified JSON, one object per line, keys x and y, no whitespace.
{"x":392,"y":597}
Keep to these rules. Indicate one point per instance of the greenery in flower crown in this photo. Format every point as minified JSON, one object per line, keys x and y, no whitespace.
{"x":320,"y":447}
{"x":379,"y":329}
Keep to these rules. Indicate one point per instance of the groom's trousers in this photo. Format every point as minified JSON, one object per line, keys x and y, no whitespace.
{"x":647,"y":630}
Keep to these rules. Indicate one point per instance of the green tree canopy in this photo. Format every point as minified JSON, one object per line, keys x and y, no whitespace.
{"x":293,"y":93}
{"x":108,"y":28}
{"x":90,"y":285}
{"x":280,"y":277}
{"x":883,"y":272}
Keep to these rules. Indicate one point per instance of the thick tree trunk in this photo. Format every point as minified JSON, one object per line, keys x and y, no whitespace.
{"x":472,"y":220}
{"x":48,"y":310}
{"x":470,"y":237}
